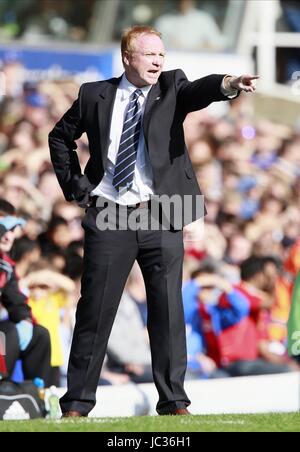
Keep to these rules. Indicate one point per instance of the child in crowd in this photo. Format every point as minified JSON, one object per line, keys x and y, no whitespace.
{"x":49,"y":298}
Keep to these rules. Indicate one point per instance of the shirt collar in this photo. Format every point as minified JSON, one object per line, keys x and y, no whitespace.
{"x":128,"y":88}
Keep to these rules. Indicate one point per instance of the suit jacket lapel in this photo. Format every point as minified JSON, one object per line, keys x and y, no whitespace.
{"x":105,"y":110}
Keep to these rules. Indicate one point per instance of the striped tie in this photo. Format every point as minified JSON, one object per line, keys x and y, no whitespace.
{"x":126,"y":158}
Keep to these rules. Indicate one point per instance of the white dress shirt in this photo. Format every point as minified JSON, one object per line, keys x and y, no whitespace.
{"x":142,"y":187}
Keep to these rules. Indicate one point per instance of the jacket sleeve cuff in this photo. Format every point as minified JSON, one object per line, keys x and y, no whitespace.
{"x":230,"y":93}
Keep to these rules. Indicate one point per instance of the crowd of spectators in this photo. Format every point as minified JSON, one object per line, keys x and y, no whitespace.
{"x":239,"y":269}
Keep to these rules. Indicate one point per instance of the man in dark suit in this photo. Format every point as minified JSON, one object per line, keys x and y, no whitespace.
{"x":135,"y":129}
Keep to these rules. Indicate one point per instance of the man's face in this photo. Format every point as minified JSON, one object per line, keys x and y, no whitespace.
{"x":7,"y":241}
{"x":271,"y":274}
{"x":144,"y":62}
{"x":209,"y":296}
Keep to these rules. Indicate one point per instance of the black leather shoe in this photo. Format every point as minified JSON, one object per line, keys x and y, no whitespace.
{"x":178,"y":412}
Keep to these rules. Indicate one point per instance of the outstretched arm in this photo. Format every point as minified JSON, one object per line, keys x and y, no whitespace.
{"x":193,"y":96}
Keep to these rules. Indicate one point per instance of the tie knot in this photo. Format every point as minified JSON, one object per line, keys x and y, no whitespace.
{"x":137,"y":93}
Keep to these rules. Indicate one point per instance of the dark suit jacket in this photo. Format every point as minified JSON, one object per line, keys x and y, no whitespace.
{"x":168,"y":103}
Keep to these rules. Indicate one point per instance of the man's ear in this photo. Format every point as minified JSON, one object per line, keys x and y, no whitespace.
{"x":126,"y":58}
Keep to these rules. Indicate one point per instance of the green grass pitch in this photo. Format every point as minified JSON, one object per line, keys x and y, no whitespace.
{"x":287,"y":422}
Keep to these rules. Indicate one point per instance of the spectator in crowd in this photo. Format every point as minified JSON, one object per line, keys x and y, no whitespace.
{"x":128,"y":348}
{"x":258,"y":286}
{"x":25,"y":252}
{"x":190,"y":29}
{"x":236,"y":343}
{"x":71,"y":213}
{"x":24,"y":339}
{"x":50,"y":292}
{"x":3,"y":370}
{"x":200,"y":366}
{"x":239,"y":248}
{"x":276,"y":286}
{"x":212,"y":305}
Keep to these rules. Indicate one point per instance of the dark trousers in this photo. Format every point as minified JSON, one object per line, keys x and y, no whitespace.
{"x":35,"y":359}
{"x":108,"y":259}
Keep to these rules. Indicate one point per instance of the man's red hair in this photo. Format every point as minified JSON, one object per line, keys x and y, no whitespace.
{"x":132,"y":33}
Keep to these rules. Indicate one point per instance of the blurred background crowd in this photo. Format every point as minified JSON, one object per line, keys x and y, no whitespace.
{"x":239,"y":269}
